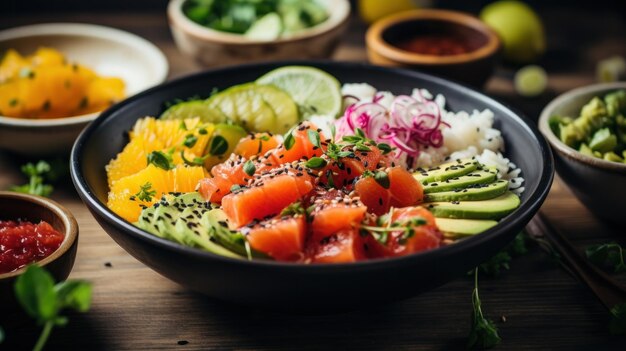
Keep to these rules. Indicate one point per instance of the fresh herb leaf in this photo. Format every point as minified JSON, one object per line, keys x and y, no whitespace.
{"x":609,"y":255}
{"x":331,"y":179}
{"x":161,"y":160}
{"x":617,"y":325}
{"x":37,"y":174}
{"x":218,"y":145}
{"x":249,"y":168}
{"x":289,"y":140}
{"x":316,"y":163}
{"x":385,"y":148}
{"x":190,"y":140}
{"x":293,"y":209}
{"x":501,"y":261}
{"x":235,"y":187}
{"x":43,"y":301}
{"x":333,"y":132}
{"x":145,"y":193}
{"x":382,"y":179}
{"x":34,"y":290}
{"x":314,"y":137}
{"x":483,"y":333}
{"x":74,"y":294}
{"x":202,"y":131}
{"x":197,"y":161}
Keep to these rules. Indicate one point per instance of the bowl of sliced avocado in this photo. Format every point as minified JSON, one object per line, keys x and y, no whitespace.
{"x":586,"y":128}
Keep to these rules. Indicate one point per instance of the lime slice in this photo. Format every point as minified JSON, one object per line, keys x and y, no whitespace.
{"x":283,"y":105}
{"x":266,"y":28}
{"x":611,"y":69}
{"x":192,"y":109}
{"x":314,"y":91}
{"x":531,"y":81}
{"x":243,"y":106}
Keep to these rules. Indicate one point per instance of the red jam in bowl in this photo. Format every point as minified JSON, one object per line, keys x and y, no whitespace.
{"x":23,"y":242}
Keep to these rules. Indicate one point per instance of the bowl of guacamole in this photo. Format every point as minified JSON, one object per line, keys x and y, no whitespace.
{"x":586,"y":128}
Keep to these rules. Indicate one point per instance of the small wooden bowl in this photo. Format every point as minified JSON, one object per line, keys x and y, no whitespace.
{"x":215,"y":48}
{"x":34,"y":209}
{"x":473,"y":67}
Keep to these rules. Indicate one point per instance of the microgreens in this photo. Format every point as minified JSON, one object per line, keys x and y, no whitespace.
{"x":161,"y":160}
{"x":289,"y":140}
{"x":190,"y":140}
{"x":483,"y":332}
{"x":293,"y":209}
{"x":218,"y":145}
{"x":316,"y":163}
{"x":501,"y":261}
{"x":406,"y":227}
{"x":249,"y":168}
{"x":314,"y":137}
{"x":145,"y":193}
{"x":609,"y":255}
{"x":43,"y":300}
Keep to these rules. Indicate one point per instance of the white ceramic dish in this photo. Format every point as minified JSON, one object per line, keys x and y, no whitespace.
{"x":211,"y":47}
{"x":108,"y":51}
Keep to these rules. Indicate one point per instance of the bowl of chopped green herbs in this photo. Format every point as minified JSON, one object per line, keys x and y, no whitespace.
{"x":586,"y":128}
{"x":219,"y":32}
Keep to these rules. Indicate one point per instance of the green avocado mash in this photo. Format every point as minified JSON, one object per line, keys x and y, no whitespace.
{"x":599,"y":131}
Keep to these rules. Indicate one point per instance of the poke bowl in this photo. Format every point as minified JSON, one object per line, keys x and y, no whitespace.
{"x":239,"y":250}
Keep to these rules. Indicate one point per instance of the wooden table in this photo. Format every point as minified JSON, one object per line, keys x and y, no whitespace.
{"x":535,"y":304}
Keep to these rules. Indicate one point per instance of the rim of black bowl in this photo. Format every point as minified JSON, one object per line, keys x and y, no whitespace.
{"x":525,"y":210}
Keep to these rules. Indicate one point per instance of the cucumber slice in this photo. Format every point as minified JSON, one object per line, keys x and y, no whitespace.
{"x":246,"y":108}
{"x":267,"y":28}
{"x":193,"y":109}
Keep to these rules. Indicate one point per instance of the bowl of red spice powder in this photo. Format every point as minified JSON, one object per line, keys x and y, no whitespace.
{"x":451,"y":44}
{"x":34,"y":230}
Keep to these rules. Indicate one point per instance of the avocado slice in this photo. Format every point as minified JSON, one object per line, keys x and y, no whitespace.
{"x":456,"y":227}
{"x":178,"y":217}
{"x":235,"y":241}
{"x":445,"y":171}
{"x":495,"y":208}
{"x":475,"y":192}
{"x":464,"y":181}
{"x":229,"y":133}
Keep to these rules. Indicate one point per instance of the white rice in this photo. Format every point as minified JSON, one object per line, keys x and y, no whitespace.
{"x":469,"y":135}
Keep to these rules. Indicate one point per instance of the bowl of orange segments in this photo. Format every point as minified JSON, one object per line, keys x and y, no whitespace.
{"x":56,"y":78}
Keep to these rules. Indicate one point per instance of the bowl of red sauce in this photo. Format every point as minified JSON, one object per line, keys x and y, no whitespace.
{"x":34,"y":230}
{"x":451,"y":44}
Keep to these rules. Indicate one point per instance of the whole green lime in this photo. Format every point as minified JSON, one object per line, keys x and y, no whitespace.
{"x":519,"y":28}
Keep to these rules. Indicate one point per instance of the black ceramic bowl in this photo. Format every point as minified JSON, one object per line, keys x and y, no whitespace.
{"x":289,"y":286}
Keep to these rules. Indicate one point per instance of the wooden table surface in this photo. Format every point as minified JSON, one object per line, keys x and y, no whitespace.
{"x":535,"y":304}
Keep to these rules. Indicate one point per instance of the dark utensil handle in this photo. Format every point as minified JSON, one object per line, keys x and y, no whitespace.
{"x":605,"y":288}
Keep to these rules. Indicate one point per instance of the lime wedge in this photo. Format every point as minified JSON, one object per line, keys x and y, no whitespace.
{"x":531,"y":81}
{"x":267,"y":28}
{"x":193,"y":109}
{"x":314,"y":91}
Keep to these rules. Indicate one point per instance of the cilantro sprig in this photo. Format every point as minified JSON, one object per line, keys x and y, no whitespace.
{"x":145,"y":193}
{"x":42,"y":300}
{"x":405,"y":227}
{"x":483,"y":333}
{"x":39,"y":173}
